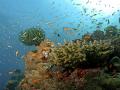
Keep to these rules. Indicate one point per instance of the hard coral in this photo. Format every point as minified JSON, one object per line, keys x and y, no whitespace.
{"x":110,"y":32}
{"x":97,"y":53}
{"x":116,"y":44}
{"x":68,"y":55}
{"x":98,"y":35}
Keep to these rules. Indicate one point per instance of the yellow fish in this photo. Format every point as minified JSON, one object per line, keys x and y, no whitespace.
{"x":66,"y":28}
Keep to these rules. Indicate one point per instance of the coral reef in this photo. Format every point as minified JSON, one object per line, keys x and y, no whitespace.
{"x":87,"y":37}
{"x":110,"y":32}
{"x":11,"y":84}
{"x":90,"y":63}
{"x":97,"y":53}
{"x":98,"y":35}
{"x":67,"y":56}
{"x":59,"y":67}
{"x":113,"y":65}
{"x":116,"y":44}
{"x":16,"y":77}
{"x":36,"y":66}
{"x":102,"y":81}
{"x":32,"y":36}
{"x":109,"y":82}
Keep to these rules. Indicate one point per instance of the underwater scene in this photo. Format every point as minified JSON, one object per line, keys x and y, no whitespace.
{"x":59,"y":45}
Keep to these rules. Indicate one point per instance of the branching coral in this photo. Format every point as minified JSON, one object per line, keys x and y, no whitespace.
{"x":68,"y":55}
{"x":97,"y":53}
{"x":32,"y":36}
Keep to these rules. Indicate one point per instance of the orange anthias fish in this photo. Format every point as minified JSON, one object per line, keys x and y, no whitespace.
{"x":67,"y":29}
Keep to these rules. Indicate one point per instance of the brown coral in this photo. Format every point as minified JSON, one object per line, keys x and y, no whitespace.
{"x":68,"y":55}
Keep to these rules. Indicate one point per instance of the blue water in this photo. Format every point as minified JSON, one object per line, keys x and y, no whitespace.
{"x":17,"y":15}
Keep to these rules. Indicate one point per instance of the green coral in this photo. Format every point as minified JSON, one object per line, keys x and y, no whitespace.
{"x":11,"y":85}
{"x":68,"y":55}
{"x":97,"y":53}
{"x":110,"y":32}
{"x":114,"y":65}
{"x":109,"y":82}
{"x":32,"y":36}
{"x":116,"y":44}
{"x":98,"y":35}
{"x":103,"y":81}
{"x":72,"y":55}
{"x":15,"y":79}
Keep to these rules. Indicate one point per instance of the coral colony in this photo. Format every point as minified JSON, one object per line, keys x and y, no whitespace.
{"x":90,"y":63}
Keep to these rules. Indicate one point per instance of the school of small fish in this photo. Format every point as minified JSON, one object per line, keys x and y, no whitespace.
{"x":75,"y":26}
{"x":84,"y":12}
